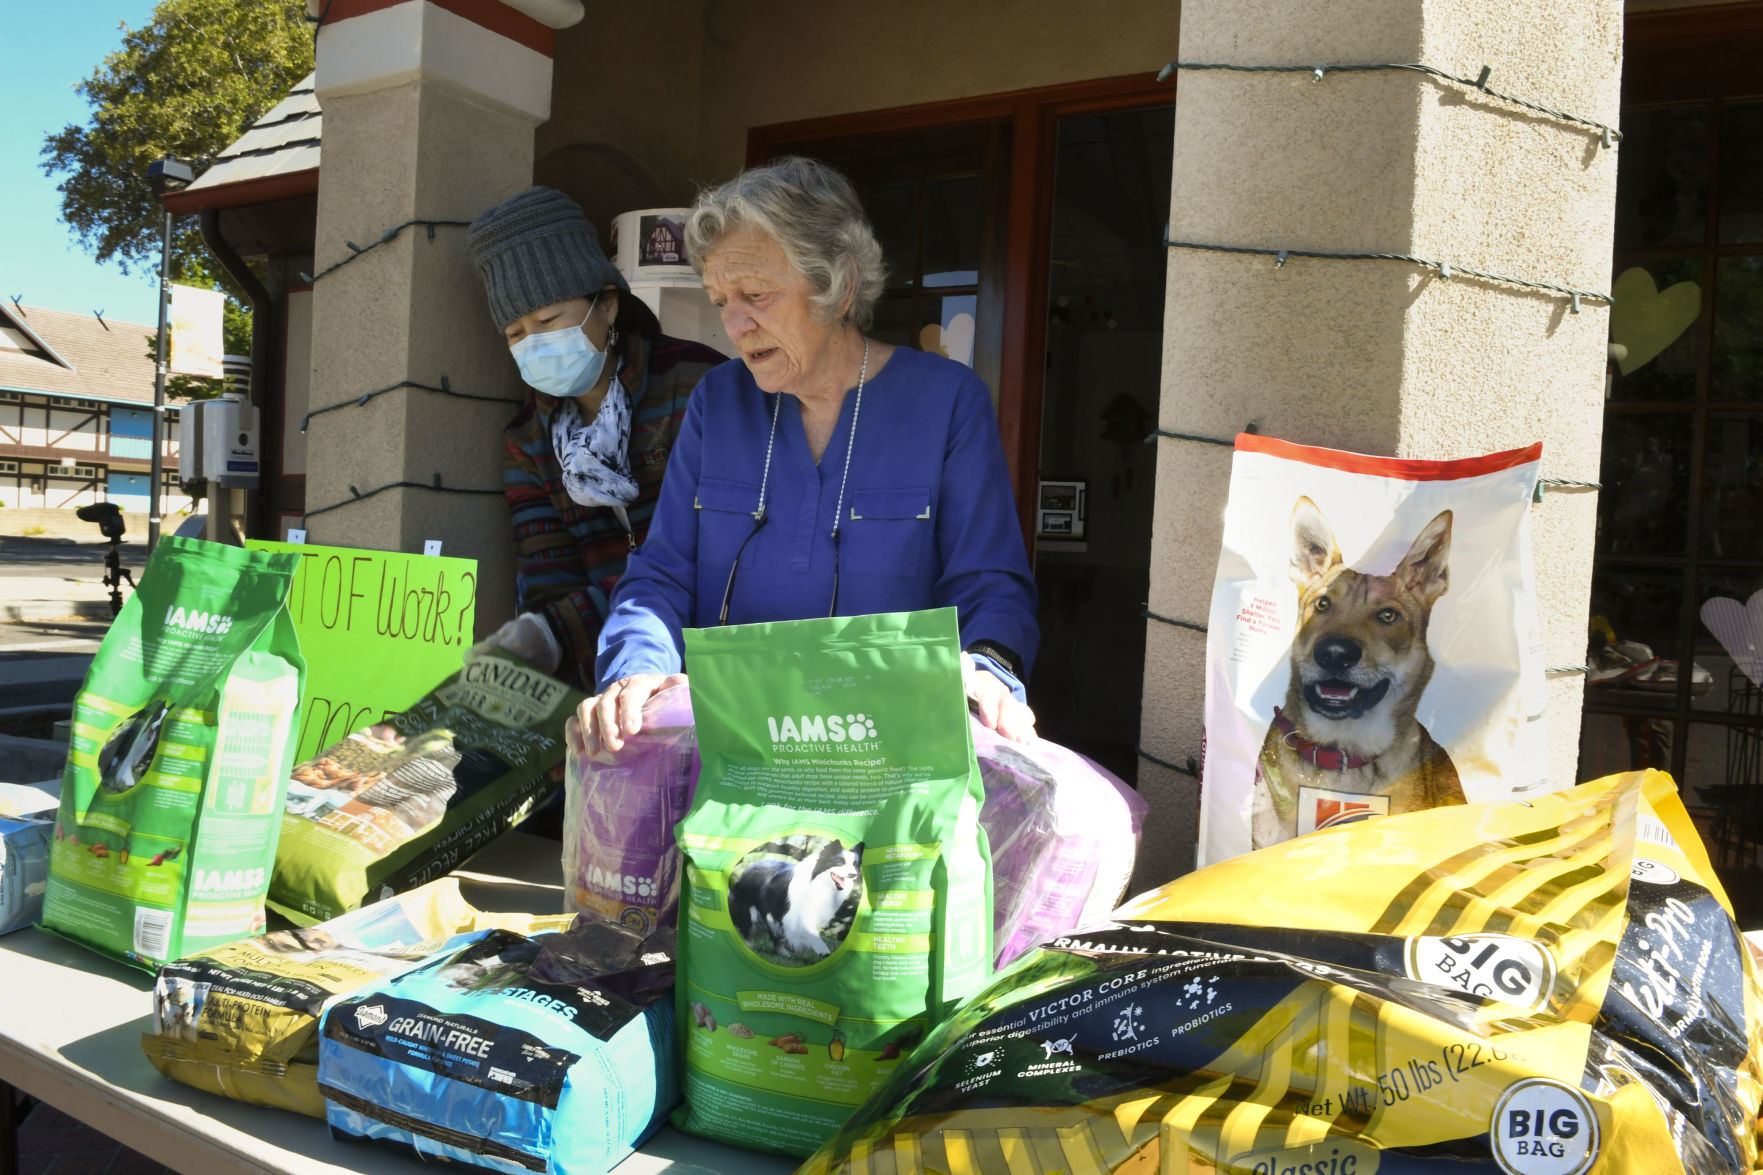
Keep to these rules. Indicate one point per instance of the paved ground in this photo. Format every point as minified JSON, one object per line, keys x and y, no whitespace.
{"x":42,"y":661}
{"x":58,"y":568}
{"x":58,"y":637}
{"x":53,"y":612}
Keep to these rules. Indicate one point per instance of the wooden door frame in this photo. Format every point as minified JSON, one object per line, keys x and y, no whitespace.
{"x":1691,"y":54}
{"x":1034,"y":116}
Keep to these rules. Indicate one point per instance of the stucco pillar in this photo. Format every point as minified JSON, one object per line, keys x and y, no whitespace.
{"x":428,"y":115}
{"x":1378,"y":357}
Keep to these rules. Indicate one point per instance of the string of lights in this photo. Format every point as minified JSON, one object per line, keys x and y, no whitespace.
{"x":1445,"y":269}
{"x":444,"y":389}
{"x":363,"y":495}
{"x":384,"y":238}
{"x":1192,"y":769}
{"x":1608,"y":135}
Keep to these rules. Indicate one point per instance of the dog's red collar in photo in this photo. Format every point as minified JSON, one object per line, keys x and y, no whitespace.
{"x":1327,"y":758}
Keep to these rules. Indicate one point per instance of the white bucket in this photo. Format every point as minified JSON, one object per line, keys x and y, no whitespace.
{"x":650,"y":245}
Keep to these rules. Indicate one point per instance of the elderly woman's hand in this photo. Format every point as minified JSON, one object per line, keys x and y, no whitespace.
{"x":609,"y":718}
{"x":996,"y":706}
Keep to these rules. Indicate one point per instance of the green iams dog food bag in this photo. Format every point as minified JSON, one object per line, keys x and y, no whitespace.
{"x":171,"y":801}
{"x":837,"y":889}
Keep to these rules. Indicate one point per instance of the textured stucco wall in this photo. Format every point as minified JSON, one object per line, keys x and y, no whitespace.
{"x":677,"y":83}
{"x":1648,"y":5}
{"x":1378,"y":357}
{"x":624,"y":106}
{"x":413,"y":309}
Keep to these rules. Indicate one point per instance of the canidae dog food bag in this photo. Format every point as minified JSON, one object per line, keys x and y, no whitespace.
{"x":405,"y":801}
{"x":620,"y":860}
{"x":1373,"y":645}
{"x":837,"y":890}
{"x":551,"y":1054}
{"x":241,"y":1020}
{"x":178,"y":759}
{"x":1553,"y":988}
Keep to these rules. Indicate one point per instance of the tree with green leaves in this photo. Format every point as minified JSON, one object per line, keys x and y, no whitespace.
{"x":187,"y":83}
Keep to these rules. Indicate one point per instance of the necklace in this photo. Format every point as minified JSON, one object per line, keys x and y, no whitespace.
{"x":728,"y":590}
{"x":850,"y":442}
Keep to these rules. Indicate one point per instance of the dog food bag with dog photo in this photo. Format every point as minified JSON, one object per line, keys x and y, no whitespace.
{"x":1545,"y":988}
{"x":1373,"y":645}
{"x":837,"y":889}
{"x":241,"y":1020}
{"x":553,"y":1053}
{"x":405,"y":801}
{"x":620,"y":860}
{"x":178,"y":759}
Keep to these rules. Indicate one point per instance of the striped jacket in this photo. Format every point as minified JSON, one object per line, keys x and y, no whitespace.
{"x":568,"y":557}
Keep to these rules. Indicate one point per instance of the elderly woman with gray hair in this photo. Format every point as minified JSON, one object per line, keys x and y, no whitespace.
{"x":822,"y":473}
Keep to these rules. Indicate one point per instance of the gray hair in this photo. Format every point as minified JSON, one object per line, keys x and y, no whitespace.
{"x":813,"y":213}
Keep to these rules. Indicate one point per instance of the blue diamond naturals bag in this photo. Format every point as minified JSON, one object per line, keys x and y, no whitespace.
{"x":553,"y":1053}
{"x":178,"y":759}
{"x":837,"y":895}
{"x":27,"y":815}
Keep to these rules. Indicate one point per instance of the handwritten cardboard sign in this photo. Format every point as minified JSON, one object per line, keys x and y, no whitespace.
{"x":379,"y":629}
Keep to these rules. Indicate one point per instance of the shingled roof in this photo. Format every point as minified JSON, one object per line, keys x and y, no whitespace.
{"x":59,"y":354}
{"x":277,"y":156}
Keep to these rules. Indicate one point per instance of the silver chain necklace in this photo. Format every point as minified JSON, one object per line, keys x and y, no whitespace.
{"x":728,"y":590}
{"x":850,"y":443}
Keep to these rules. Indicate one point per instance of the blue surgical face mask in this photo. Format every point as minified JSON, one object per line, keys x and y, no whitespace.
{"x":560,"y":362}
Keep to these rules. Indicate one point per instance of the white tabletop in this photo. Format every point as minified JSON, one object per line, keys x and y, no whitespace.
{"x":70,"y":1035}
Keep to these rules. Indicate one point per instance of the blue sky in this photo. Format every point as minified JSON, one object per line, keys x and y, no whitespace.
{"x":46,"y":49}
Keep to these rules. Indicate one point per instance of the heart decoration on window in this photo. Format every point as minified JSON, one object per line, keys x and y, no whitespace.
{"x":1739,"y":629}
{"x":1646,"y":319}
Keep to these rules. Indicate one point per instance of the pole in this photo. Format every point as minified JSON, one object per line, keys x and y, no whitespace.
{"x":157,"y":474}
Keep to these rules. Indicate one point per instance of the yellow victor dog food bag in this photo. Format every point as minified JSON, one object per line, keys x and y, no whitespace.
{"x":1545,"y":988}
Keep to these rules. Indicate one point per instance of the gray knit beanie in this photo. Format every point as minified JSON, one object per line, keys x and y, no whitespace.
{"x":535,"y":248}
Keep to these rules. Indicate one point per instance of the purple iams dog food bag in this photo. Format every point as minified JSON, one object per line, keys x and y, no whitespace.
{"x":1064,"y":835}
{"x":1064,"y":832}
{"x":619,"y":856}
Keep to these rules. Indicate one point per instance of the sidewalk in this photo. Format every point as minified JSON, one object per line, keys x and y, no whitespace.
{"x":49,"y":578}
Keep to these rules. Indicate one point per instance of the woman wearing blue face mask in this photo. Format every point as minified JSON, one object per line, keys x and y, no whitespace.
{"x":584,"y":458}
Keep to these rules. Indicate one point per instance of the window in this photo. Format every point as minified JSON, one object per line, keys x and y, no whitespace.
{"x":69,"y":402}
{"x":936,"y":198}
{"x":81,"y":472}
{"x":1679,"y":543}
{"x":10,"y":397}
{"x":1021,"y":237}
{"x":8,"y":467}
{"x":13,"y":339}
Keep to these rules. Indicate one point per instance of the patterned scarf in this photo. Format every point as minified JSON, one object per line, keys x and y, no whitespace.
{"x":595,"y":458}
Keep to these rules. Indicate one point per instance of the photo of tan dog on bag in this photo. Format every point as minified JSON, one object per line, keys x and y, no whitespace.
{"x":1347,"y":744}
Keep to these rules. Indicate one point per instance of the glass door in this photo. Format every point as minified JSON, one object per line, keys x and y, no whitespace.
{"x":936,"y":197}
{"x":1677,"y":585}
{"x":1104,"y":361}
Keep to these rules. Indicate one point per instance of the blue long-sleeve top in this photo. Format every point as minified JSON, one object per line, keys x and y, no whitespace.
{"x":929,"y":518}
